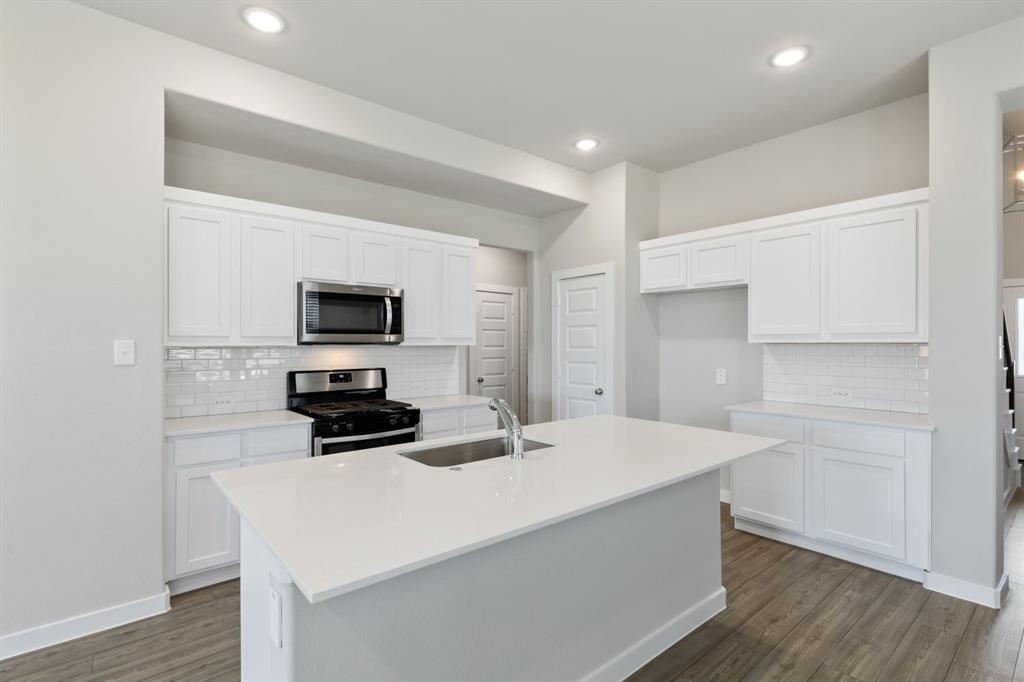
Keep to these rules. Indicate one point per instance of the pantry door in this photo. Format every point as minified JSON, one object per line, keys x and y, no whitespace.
{"x":494,"y":360}
{"x":581,"y":311}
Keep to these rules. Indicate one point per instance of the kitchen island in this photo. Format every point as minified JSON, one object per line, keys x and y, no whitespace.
{"x":582,"y":560}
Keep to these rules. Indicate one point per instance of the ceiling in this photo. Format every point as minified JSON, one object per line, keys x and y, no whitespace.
{"x":661,"y":84}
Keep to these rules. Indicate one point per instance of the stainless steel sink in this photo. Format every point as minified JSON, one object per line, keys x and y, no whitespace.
{"x":457,"y":454}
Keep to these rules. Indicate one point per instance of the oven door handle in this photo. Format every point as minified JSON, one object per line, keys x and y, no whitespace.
{"x":366,"y":436}
{"x":389,"y":315}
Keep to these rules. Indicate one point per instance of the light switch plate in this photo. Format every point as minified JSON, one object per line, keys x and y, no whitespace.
{"x":124,"y":351}
{"x":720,"y":376}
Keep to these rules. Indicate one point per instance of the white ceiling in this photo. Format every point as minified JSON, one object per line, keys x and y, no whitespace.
{"x":662,"y":84}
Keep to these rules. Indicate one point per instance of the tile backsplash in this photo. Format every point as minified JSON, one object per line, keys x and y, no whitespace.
{"x":888,"y":376}
{"x":201,"y":381}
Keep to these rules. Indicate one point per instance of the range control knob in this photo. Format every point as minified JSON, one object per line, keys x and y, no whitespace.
{"x":405,"y":419}
{"x":393,"y":421}
{"x":350,"y":426}
{"x":335,"y":428}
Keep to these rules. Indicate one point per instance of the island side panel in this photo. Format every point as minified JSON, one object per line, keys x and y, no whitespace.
{"x":595,"y":596}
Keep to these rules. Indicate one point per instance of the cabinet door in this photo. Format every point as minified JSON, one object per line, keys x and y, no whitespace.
{"x":859,"y":500}
{"x":326,"y":253}
{"x":422,"y":274}
{"x":459,"y":295}
{"x":872,"y":271}
{"x":663,"y":268}
{"x":205,"y":525}
{"x":785,"y":282}
{"x":199,"y":273}
{"x":769,"y":487}
{"x":268,"y":279}
{"x":719,"y":261}
{"x":376,"y":259}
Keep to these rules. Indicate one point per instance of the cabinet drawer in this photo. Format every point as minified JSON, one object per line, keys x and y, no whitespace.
{"x":206,"y":449}
{"x":860,"y":438}
{"x":786,"y":428}
{"x":440,"y":420}
{"x":479,"y":416}
{"x":277,"y":440}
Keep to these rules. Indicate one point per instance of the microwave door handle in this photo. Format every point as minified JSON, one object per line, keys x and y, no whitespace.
{"x":389,"y":315}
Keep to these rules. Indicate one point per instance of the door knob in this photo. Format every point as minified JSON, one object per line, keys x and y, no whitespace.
{"x":479,"y":380}
{"x":598,"y":391}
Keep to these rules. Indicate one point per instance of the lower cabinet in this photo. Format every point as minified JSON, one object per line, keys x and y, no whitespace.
{"x":456,"y":421}
{"x":201,"y":527}
{"x":859,"y":492}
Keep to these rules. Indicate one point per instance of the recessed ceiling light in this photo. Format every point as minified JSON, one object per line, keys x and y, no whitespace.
{"x":586,"y":144}
{"x":789,"y":56}
{"x":264,"y":20}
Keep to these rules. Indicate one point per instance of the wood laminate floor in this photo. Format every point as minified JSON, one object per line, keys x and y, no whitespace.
{"x":792,"y":615}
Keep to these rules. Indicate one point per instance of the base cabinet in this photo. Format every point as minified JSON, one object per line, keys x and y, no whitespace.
{"x":205,"y":525}
{"x":457,"y":421}
{"x":769,"y":487}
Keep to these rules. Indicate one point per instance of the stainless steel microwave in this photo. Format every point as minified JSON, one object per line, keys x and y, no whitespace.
{"x":345,"y":313}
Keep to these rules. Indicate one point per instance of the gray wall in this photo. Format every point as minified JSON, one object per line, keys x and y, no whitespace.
{"x":966,"y":78}
{"x":1013,"y":245}
{"x":501,"y":266}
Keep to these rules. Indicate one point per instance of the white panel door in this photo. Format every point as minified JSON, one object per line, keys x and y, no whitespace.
{"x":582,"y":359}
{"x":376,"y":259}
{"x":769,"y":487}
{"x":268,"y":279}
{"x":663,"y":268}
{"x":872,"y":273}
{"x":459,"y":295}
{"x":422,"y":275}
{"x":199,"y":272}
{"x":859,"y":500}
{"x":785,"y":282}
{"x":205,"y":525}
{"x":716,"y":262}
{"x":326,"y":253}
{"x":495,"y":356}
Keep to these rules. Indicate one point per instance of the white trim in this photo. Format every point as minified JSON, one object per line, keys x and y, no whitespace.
{"x":878,"y":563}
{"x":812,"y":215}
{"x":222,"y":201}
{"x":635,"y":657}
{"x":608,"y":270}
{"x":992,"y":597}
{"x":524,"y":355}
{"x":203,"y":579}
{"x":497,"y":288}
{"x":41,"y":636}
{"x":1013,"y":282}
{"x":725,"y":496}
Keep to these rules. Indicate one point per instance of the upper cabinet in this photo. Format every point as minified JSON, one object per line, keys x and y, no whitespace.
{"x":854,"y":272}
{"x":233,"y":264}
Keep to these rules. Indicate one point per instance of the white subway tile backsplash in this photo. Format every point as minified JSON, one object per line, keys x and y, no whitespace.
{"x":885,"y":376}
{"x":197,"y":381}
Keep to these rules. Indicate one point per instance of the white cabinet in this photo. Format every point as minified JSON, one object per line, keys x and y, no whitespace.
{"x":199,"y":274}
{"x":206,"y":527}
{"x":720,"y":262}
{"x":873,"y":270}
{"x":267,"y":281}
{"x":785,"y":283}
{"x":859,"y":500}
{"x":458,"y":321}
{"x":376,"y":259}
{"x":456,"y":421}
{"x":422,"y":276}
{"x":769,"y":487}
{"x":326,"y":253}
{"x":663,"y":269}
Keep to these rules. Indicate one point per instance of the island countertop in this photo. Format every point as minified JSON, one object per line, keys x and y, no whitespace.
{"x":341,"y":522}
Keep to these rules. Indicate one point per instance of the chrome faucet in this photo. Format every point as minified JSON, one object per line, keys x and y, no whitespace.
{"x":512,"y":425}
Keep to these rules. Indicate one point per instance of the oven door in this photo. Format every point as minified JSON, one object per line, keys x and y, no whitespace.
{"x":332,"y":446}
{"x":343,"y":313}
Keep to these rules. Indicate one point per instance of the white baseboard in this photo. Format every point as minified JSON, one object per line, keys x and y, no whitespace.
{"x":203,"y":579}
{"x":991,"y":597}
{"x":725,"y":496}
{"x":42,"y":636}
{"x":638,"y":655}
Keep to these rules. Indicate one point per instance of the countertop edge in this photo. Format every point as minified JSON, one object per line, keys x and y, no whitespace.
{"x":794,"y":411}
{"x":175,"y":427}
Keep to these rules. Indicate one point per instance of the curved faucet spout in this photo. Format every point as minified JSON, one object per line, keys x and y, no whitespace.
{"x":512,"y":426}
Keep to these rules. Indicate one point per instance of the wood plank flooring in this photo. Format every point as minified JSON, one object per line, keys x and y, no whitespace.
{"x":793,"y":615}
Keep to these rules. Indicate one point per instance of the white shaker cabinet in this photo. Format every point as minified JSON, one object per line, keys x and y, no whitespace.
{"x":769,"y":487}
{"x":206,"y":526}
{"x":785,"y":284}
{"x":376,"y":259}
{"x":326,"y":253}
{"x":199,"y":274}
{"x":267,"y":281}
{"x":720,"y":262}
{"x":663,"y":269}
{"x":422,"y":277}
{"x":458,"y":321}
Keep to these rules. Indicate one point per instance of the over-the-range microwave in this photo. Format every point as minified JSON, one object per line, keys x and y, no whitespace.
{"x":345,"y":313}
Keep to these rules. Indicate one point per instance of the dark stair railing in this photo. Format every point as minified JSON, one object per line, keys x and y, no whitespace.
{"x":1010,"y":376}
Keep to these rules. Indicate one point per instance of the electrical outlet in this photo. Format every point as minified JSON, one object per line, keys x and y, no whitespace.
{"x":842,"y":393}
{"x":416,"y":389}
{"x":720,"y":376}
{"x":223,"y":402}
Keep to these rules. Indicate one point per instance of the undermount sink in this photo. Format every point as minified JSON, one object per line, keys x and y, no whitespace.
{"x":464,"y":453}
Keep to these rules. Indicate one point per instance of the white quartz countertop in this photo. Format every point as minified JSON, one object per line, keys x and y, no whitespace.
{"x":440,"y":402}
{"x":901,"y":420}
{"x":191,"y":426}
{"x":341,"y":522}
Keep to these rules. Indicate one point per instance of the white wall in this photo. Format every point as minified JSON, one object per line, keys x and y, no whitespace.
{"x":501,"y":266}
{"x":643,"y":375}
{"x":1013,"y":245}
{"x":82,"y":183}
{"x":207,"y":169}
{"x":966,"y":78}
